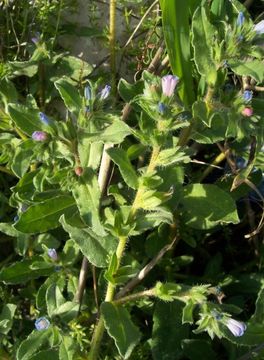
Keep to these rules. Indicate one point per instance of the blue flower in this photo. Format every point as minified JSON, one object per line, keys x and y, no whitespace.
{"x":52,"y":253}
{"x":42,"y":323}
{"x":259,"y":27}
{"x":240,"y":19}
{"x":105,"y":92}
{"x":237,"y":328}
{"x":87,"y":92}
{"x":217,"y":315}
{"x":44,"y":119}
{"x":247,"y":95}
{"x":161,"y":108}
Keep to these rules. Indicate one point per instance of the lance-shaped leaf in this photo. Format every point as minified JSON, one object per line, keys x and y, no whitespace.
{"x":175,"y":21}
{"x":113,"y":134}
{"x":120,"y":327}
{"x":206,"y":205}
{"x":87,"y":194}
{"x":70,"y":95}
{"x":45,"y":215}
{"x":96,"y":248}
{"x":253,"y":68}
{"x":54,"y":298}
{"x":6,"y":318}
{"x":67,"y":348}
{"x":127,"y":171}
{"x":171,"y":156}
{"x":203,"y":44}
{"x":26,"y":119}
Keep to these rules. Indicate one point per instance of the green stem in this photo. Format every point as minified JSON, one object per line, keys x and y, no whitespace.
{"x":7,"y":171}
{"x":112,"y":41}
{"x":57,"y":23}
{"x":110,"y":292}
{"x":135,"y":296}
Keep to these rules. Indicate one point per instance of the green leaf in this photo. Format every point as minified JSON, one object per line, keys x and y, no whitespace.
{"x":253,"y":68}
{"x":67,"y":348}
{"x":175,"y":21}
{"x":19,"y":68}
{"x":46,"y":354}
{"x":26,"y":119}
{"x":54,"y":299}
{"x":6,"y":318}
{"x":153,"y":219}
{"x":87,"y":195}
{"x":36,"y":341}
{"x":203,"y":44}
{"x":8,"y":92}
{"x":93,"y":246}
{"x":120,"y":158}
{"x":22,"y":157}
{"x":113,"y":134}
{"x":45,"y":215}
{"x":70,"y":95}
{"x":198,"y":349}
{"x":129,"y":91}
{"x":206,"y":205}
{"x":120,"y":327}
{"x":171,"y":156}
{"x":168,"y":331}
{"x":23,"y":271}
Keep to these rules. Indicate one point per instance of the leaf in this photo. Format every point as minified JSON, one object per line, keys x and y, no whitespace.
{"x":22,"y":271}
{"x":206,"y":205}
{"x":26,"y":119}
{"x":120,"y":327}
{"x":8,"y":92}
{"x":151,"y":220}
{"x":253,"y":68}
{"x":113,"y":134}
{"x":168,"y":331}
{"x":203,"y":44}
{"x":6,"y":318}
{"x":19,"y":68}
{"x":87,"y":195}
{"x":175,"y":21}
{"x":22,"y":157}
{"x":93,"y":246}
{"x":46,"y":354}
{"x":45,"y":215}
{"x":171,"y":156}
{"x":36,"y":341}
{"x":70,"y":95}
{"x":198,"y":349}
{"x":129,"y":91}
{"x":67,"y":348}
{"x":120,"y":158}
{"x":54,"y":299}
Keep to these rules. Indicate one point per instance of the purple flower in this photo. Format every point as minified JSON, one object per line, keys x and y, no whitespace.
{"x":247,"y":95}
{"x":44,"y":119}
{"x":105,"y":92}
{"x":53,"y":254}
{"x":237,"y":328}
{"x":169,"y":83}
{"x":240,"y":19}
{"x":23,"y":208}
{"x":87,"y":92}
{"x":36,"y":38}
{"x":42,"y":323}
{"x":161,"y":108}
{"x":259,"y":27}
{"x":39,"y":136}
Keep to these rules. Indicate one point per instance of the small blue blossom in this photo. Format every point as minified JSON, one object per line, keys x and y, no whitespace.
{"x":44,"y":119}
{"x":16,"y":218}
{"x":23,"y":208}
{"x":247,"y":95}
{"x":237,"y":328}
{"x":216,"y":314}
{"x":52,"y":253}
{"x":42,"y":323}
{"x":87,"y":92}
{"x":259,"y":27}
{"x":240,"y":19}
{"x":161,"y":108}
{"x":36,"y":38}
{"x":57,"y":268}
{"x":105,"y":92}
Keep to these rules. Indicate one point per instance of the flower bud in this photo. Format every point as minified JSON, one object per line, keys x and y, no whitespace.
{"x":39,"y":136}
{"x":105,"y":92}
{"x":259,"y":27}
{"x":78,"y":171}
{"x":237,"y":328}
{"x":161,"y":108}
{"x":44,"y":119}
{"x":240,"y":19}
{"x":169,"y":83}
{"x":247,"y":111}
{"x":36,"y":38}
{"x":42,"y":323}
{"x":52,"y":253}
{"x":247,"y":95}
{"x":87,"y":92}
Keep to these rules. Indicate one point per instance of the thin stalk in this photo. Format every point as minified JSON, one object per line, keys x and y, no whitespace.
{"x":112,"y":41}
{"x":135,"y":296}
{"x":99,"y":328}
{"x":7,"y":171}
{"x":219,"y":158}
{"x":57,"y":23}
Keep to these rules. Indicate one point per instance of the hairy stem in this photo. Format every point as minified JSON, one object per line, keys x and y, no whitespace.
{"x":112,"y":41}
